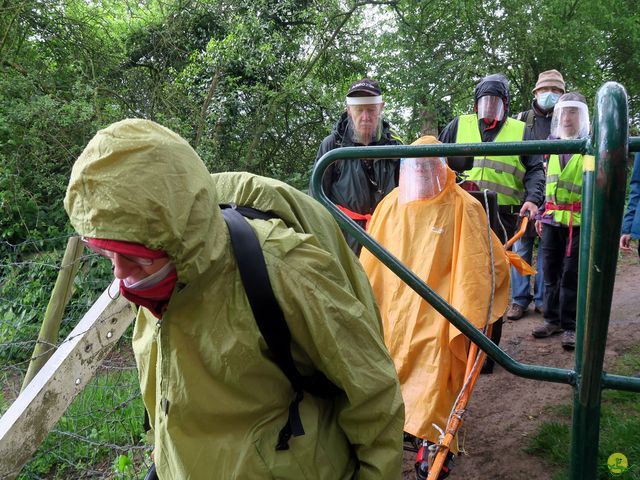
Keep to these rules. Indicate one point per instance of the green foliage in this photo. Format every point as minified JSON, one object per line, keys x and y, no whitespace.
{"x":551,"y":442}
{"x":252,"y":85}
{"x":21,"y":319}
{"x":446,"y":47}
{"x":22,"y":309}
{"x":123,"y":467}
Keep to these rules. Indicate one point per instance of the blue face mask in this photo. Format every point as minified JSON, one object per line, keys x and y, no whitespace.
{"x":547,"y":100}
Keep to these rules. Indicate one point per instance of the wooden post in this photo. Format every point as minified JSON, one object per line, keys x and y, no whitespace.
{"x":30,"y":418}
{"x":60,"y":296}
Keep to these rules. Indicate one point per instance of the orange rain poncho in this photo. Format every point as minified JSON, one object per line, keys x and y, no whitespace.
{"x":444,"y":241}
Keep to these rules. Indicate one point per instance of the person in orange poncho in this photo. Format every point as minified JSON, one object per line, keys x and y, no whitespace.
{"x":441,"y":233}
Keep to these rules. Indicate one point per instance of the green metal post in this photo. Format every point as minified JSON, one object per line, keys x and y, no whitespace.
{"x":588,"y":184}
{"x":598,"y":264}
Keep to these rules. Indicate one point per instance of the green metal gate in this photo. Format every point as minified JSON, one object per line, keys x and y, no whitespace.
{"x":603,"y":198}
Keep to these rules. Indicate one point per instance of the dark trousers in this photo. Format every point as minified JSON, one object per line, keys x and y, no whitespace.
{"x":560,"y":275}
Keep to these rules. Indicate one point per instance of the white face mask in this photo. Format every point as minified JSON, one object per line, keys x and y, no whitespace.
{"x":151,"y":280}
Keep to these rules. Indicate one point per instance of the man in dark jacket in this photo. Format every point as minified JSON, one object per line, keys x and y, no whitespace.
{"x":518,"y":180}
{"x":357,"y":186}
{"x":549,"y":87}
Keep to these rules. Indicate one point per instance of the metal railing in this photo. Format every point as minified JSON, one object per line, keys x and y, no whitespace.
{"x":606,"y":152}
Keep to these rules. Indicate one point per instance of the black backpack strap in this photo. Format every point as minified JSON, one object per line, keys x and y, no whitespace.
{"x":248,"y":212}
{"x":531,"y":118}
{"x":527,"y":117}
{"x":269,"y":316}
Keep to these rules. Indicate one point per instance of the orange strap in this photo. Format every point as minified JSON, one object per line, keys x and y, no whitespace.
{"x":364,"y":217}
{"x":567,"y":207}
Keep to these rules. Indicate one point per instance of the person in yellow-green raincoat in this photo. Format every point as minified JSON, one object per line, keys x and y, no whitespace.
{"x":140,"y":195}
{"x":441,"y":233}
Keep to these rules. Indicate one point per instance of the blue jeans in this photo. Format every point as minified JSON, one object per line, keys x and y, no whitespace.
{"x":520,"y":289}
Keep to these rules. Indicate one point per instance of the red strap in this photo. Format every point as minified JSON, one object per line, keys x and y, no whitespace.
{"x":567,"y":207}
{"x":364,"y":217}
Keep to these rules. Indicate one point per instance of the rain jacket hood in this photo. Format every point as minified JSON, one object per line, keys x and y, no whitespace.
{"x":496,"y":85}
{"x":215,"y":398}
{"x":169,"y":206}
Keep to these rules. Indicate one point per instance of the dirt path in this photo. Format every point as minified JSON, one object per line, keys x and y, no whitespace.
{"x":506,"y":409}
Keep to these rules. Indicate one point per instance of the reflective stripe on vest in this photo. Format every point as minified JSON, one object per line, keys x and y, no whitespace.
{"x":564,"y":189}
{"x":503,"y":174}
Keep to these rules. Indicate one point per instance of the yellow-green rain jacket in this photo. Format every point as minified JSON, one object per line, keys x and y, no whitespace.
{"x":215,"y":398}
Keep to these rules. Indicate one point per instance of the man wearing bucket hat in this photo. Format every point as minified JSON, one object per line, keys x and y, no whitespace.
{"x":357,"y":186}
{"x":549,"y":87}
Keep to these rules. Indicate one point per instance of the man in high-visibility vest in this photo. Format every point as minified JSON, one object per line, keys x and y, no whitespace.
{"x":518,"y":180}
{"x":559,"y":223}
{"x":357,"y":186}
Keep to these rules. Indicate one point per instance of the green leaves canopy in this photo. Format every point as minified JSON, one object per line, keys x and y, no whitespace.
{"x":256,"y":85}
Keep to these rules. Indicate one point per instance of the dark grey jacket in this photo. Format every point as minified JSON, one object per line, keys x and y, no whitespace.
{"x":358,"y":185}
{"x":537,"y":120}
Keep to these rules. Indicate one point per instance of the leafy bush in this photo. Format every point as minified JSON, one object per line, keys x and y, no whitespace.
{"x":26,"y":284}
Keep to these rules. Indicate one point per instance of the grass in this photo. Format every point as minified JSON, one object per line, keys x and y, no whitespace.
{"x":619,"y":428}
{"x":99,"y":436}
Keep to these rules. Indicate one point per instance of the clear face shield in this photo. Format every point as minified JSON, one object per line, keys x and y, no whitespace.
{"x":421,"y":178}
{"x":570,"y":120}
{"x":490,"y":108}
{"x":365,"y":119}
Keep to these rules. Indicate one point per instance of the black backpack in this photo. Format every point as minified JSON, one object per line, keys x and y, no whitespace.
{"x":269,"y":316}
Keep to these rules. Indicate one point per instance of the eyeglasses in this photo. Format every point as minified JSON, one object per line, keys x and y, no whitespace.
{"x":143,"y":261}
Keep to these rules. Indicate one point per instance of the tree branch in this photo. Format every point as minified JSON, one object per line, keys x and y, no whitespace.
{"x":205,"y":106}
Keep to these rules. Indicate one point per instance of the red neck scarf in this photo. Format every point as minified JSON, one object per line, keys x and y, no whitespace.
{"x":154,"y":298}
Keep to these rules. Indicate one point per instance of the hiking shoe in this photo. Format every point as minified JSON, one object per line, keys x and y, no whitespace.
{"x":546,"y":330}
{"x":515,"y":312}
{"x":422,"y":463}
{"x":568,"y":340}
{"x":487,"y":367}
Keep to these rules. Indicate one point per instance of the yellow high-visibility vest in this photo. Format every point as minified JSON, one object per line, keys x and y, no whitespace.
{"x":563,"y":191}
{"x":502,"y":174}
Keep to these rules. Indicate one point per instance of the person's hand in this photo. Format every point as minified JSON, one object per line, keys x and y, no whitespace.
{"x":539,"y":228}
{"x":625,"y":242}
{"x":529,"y":207}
